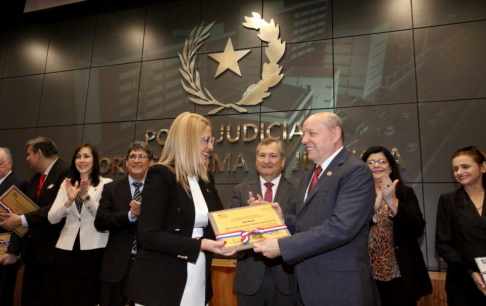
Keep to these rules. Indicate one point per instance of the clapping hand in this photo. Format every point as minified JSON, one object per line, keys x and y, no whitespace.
{"x":135,"y":209}
{"x":388,"y":193}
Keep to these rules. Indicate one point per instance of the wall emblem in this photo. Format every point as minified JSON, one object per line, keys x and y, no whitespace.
{"x":255,"y":93}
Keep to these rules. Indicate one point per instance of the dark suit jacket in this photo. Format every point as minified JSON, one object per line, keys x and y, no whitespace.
{"x":11,"y":179}
{"x":331,"y":240}
{"x":460,"y":237}
{"x":44,"y":235}
{"x":250,"y":269}
{"x":408,"y":226}
{"x":165,"y":227}
{"x":112,"y":215}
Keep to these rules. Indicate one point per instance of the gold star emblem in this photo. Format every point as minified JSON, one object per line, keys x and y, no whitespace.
{"x":228,"y":59}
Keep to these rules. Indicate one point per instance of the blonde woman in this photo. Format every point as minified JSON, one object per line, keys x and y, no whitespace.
{"x":176,"y":241}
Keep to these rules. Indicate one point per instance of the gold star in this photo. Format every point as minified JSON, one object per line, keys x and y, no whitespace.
{"x":228,"y":59}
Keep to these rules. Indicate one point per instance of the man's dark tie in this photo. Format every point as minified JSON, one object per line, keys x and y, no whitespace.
{"x":39,"y":188}
{"x":315,"y":178}
{"x":268,"y":194}
{"x":137,"y":196}
{"x":79,"y":203}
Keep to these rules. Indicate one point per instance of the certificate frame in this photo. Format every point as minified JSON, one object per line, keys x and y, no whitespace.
{"x":256,"y":222}
{"x":4,"y":242}
{"x":15,"y":201}
{"x":481,"y":262}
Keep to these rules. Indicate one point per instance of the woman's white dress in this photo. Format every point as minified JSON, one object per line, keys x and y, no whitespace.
{"x":195,"y":290}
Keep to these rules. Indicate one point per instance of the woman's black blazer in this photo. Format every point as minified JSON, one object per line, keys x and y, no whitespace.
{"x":165,"y":226}
{"x":408,"y":226}
{"x":460,"y":237}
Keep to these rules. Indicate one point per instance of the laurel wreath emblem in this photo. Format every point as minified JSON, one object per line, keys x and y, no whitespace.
{"x":255,"y":93}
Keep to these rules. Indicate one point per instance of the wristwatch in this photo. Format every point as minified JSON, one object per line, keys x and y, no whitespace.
{"x":86,"y":199}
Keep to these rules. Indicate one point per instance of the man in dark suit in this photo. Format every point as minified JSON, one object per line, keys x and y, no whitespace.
{"x":39,"y":277}
{"x":259,"y":280}
{"x":8,"y":262}
{"x":118,"y":212}
{"x":334,"y":207}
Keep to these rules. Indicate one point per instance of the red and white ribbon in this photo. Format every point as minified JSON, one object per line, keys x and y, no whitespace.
{"x":245,"y":235}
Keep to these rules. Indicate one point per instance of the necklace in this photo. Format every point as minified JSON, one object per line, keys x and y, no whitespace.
{"x":479,"y":208}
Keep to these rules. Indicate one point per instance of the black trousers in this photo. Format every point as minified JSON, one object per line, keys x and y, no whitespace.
{"x":268,"y":295}
{"x":472,"y":298}
{"x":38,"y":287}
{"x":394,"y":293}
{"x":8,"y":275}
{"x":112,"y":294}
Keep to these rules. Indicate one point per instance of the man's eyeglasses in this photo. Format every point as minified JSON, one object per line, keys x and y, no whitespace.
{"x":207,"y":139}
{"x":139,"y":156}
{"x":381,"y":161}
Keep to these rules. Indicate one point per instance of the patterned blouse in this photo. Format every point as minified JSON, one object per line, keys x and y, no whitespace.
{"x":381,"y":248}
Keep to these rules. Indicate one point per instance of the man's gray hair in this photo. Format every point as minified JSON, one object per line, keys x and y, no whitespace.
{"x":7,"y":153}
{"x":269,"y":141}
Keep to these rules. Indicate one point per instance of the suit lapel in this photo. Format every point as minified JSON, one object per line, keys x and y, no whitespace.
{"x":126,"y":193}
{"x":33,"y":187}
{"x":327,"y":175}
{"x":282,"y":189}
{"x":467,"y":210}
{"x":50,"y":180}
{"x":303,"y":188}
{"x":208,"y":197}
{"x":7,"y":182}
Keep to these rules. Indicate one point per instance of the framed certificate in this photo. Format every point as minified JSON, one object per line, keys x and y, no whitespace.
{"x":15,"y":201}
{"x":241,"y":227}
{"x":481,"y":262}
{"x":4,"y":243}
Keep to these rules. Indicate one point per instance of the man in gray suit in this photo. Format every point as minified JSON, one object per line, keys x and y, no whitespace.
{"x":259,"y":280}
{"x":334,"y":207}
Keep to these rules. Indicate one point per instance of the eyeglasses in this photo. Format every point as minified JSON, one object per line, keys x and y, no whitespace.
{"x":139,"y":156}
{"x":207,"y":139}
{"x":381,"y":161}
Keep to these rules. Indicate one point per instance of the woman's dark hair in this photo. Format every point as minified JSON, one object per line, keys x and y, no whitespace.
{"x":94,"y":176}
{"x":395,"y":170}
{"x":478,"y":156}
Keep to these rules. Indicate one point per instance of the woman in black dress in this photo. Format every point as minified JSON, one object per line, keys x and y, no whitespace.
{"x":461,"y":229}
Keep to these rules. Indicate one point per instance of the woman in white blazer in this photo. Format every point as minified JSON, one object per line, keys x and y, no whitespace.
{"x":80,"y":246}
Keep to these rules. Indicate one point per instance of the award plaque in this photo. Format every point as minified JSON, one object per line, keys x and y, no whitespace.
{"x":242,"y":226}
{"x":4,"y":242}
{"x":15,"y":201}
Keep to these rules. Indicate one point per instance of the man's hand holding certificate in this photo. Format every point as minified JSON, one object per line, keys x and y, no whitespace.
{"x":241,"y":227}
{"x":14,"y":201}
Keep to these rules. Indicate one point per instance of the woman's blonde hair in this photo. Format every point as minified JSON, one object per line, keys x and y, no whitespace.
{"x":181,"y":151}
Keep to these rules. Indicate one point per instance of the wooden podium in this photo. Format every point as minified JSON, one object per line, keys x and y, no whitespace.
{"x":223,"y":273}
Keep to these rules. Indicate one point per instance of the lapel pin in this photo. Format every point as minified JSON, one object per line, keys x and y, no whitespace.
{"x":329,"y":173}
{"x":50,"y":186}
{"x":207,"y":189}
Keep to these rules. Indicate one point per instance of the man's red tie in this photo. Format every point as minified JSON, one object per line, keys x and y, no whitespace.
{"x":41,"y":183}
{"x":315,"y":178}
{"x":268,"y":194}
